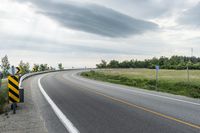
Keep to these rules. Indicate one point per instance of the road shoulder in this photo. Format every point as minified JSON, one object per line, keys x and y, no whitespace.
{"x":26,"y":119}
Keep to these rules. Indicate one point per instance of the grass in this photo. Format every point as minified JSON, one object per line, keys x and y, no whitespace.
{"x":170,"y":81}
{"x":3,"y":96}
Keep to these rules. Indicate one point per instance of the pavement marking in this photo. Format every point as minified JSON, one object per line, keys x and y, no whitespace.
{"x":148,"y":110}
{"x":142,"y":108}
{"x":65,"y":121}
{"x":165,"y":97}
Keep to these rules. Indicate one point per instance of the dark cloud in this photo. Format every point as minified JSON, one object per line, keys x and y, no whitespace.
{"x":30,"y":43}
{"x":93,"y":18}
{"x":191,"y":16}
{"x":147,"y":8}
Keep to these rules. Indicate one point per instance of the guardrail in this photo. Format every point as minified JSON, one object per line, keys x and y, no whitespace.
{"x":38,"y":73}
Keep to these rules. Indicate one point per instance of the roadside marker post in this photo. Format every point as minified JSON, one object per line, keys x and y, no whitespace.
{"x":15,"y":94}
{"x":157,"y":69}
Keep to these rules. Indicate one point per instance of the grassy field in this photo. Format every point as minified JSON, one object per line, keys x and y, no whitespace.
{"x":170,"y":81}
{"x":3,"y":96}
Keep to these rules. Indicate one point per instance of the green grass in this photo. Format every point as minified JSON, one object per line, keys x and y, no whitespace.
{"x":3,"y":96}
{"x":170,"y":81}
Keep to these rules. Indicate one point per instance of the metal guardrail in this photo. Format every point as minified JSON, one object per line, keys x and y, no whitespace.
{"x":30,"y":75}
{"x":37,"y":73}
{"x":20,"y":89}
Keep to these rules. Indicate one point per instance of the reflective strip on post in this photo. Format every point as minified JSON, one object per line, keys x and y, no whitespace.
{"x":13,"y":85}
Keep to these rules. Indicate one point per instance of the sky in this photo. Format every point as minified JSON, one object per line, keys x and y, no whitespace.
{"x":81,"y":33}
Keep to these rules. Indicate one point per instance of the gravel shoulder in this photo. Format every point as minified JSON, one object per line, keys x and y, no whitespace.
{"x":27,"y":118}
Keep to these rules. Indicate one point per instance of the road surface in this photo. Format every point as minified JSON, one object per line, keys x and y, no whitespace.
{"x":70,"y":103}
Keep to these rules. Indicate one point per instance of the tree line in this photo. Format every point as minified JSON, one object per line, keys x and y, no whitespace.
{"x":25,"y":67}
{"x":174,"y":62}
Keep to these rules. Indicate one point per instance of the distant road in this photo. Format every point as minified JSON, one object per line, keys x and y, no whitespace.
{"x":89,"y":106}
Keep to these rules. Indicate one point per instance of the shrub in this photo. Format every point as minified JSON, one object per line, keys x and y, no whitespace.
{"x":190,"y":89}
{"x":3,"y":99}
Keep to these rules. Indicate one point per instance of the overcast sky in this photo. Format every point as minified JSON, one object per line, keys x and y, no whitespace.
{"x":82,"y":32}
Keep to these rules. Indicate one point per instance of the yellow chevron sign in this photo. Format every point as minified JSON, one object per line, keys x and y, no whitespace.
{"x":13,"y":85}
{"x":19,"y":70}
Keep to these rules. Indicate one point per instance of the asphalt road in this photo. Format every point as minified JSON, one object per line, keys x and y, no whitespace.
{"x":97,"y":107}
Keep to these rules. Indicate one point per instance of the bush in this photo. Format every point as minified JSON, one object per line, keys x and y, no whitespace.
{"x":189,"y":89}
{"x":3,"y":99}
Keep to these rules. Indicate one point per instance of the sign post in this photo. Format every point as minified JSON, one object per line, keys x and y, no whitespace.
{"x":15,"y":94}
{"x":157,"y":69}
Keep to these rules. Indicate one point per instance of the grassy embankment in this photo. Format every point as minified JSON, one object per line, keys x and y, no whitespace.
{"x":3,"y":96}
{"x":170,"y":81}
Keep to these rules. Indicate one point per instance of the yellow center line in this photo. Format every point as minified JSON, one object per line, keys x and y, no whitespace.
{"x":148,"y":110}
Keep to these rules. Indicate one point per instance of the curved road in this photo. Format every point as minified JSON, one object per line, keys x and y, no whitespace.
{"x":89,"y":106}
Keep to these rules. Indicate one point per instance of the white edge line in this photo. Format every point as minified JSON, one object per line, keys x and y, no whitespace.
{"x":165,"y":97}
{"x":66,"y":122}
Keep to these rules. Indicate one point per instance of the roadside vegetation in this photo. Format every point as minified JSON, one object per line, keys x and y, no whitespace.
{"x":170,"y":81}
{"x":174,"y":62}
{"x":3,"y":96}
{"x":5,"y":65}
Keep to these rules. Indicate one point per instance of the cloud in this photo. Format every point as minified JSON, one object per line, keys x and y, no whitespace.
{"x":82,"y":33}
{"x":92,"y":18}
{"x":144,"y":9}
{"x":191,"y":16}
{"x":48,"y":46}
{"x":31,"y":43}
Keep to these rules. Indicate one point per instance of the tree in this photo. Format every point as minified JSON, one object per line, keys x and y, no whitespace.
{"x":5,"y":65}
{"x":174,"y":62}
{"x":103,"y":64}
{"x":46,"y":67}
{"x":125,"y":64}
{"x":52,"y":68}
{"x":25,"y":67}
{"x":113,"y":64}
{"x":35,"y":68}
{"x":43,"y":67}
{"x":60,"y":66}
